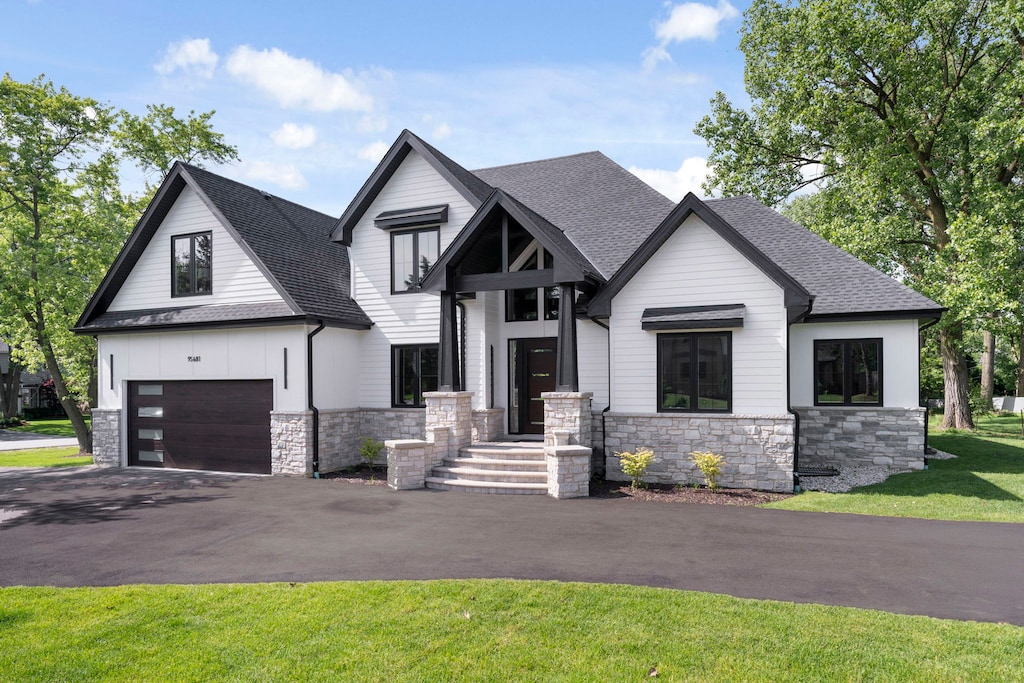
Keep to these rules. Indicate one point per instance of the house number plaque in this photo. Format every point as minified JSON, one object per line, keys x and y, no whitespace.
{"x":195,"y":359}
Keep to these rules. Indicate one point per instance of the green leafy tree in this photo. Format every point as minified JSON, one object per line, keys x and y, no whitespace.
{"x":63,"y":217}
{"x":906,"y":116}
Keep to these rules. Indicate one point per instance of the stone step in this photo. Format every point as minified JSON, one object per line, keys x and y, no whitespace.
{"x":471,"y":486}
{"x":506,"y":451}
{"x":497,"y":464}
{"x":477,"y":474}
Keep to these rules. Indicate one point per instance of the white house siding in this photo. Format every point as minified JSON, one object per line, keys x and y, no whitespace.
{"x":401,"y":318}
{"x":236,"y":279}
{"x":900,"y":358}
{"x":336,"y":368}
{"x":696,"y":267}
{"x":244,"y":353}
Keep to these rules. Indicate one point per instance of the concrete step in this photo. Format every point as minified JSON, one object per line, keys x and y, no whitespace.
{"x":478,"y":474}
{"x":471,"y":486}
{"x":497,"y":464}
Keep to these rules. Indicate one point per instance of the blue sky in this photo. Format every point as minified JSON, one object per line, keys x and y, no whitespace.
{"x":314,"y":93}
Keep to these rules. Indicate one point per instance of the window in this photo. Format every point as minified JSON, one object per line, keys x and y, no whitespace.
{"x":847,"y":372}
{"x":412,"y":254}
{"x":192,"y":264}
{"x":522,"y":304}
{"x":414,"y":369}
{"x":695,"y":372}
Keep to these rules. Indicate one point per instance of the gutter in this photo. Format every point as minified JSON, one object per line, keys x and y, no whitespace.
{"x":309,"y":398}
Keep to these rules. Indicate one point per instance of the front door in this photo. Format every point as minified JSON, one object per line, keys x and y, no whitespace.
{"x":532,"y":371}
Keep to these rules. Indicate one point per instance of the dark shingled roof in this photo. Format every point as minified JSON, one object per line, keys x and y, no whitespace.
{"x":192,"y":316}
{"x":605,"y":210}
{"x":841,"y":283}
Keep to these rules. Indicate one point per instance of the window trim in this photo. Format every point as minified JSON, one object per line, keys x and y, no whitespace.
{"x":847,"y":372}
{"x":694,"y":376}
{"x":395,"y":349}
{"x":415,"y":253}
{"x":192,"y":268}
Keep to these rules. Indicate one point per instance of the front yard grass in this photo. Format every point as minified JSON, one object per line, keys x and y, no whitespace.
{"x":488,"y":630}
{"x":985,"y":483}
{"x":66,"y":456}
{"x":54,"y":426}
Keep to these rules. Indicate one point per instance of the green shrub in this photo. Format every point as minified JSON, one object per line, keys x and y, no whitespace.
{"x":634,"y":465}
{"x":710,"y":466}
{"x":369,"y":451}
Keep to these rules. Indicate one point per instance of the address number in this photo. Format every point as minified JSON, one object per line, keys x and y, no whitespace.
{"x":195,"y":359}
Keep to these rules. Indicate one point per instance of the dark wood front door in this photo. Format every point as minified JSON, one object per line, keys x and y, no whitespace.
{"x":532,"y":372}
{"x":201,"y":425}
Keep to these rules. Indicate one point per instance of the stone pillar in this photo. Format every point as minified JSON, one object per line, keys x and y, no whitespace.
{"x":407,"y":463}
{"x":452,"y":409}
{"x":439,"y":445}
{"x":488,"y":424}
{"x":291,"y":442}
{"x":568,"y":470}
{"x":568,"y":410}
{"x":106,"y":437}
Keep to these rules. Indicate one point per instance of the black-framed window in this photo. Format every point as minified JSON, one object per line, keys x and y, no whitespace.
{"x":192,"y":264}
{"x":413,"y":252}
{"x":414,"y":371}
{"x":847,"y":372}
{"x":522,"y":304}
{"x":695,"y":372}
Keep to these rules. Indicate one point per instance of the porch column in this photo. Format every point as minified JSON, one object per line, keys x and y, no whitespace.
{"x":448,"y":361}
{"x":567,"y":376}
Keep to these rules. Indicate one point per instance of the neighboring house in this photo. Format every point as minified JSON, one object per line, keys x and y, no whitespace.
{"x":239,"y":331}
{"x":29,"y":400}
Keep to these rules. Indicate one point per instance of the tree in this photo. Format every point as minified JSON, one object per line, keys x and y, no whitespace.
{"x":905,"y":115}
{"x":63,"y":217}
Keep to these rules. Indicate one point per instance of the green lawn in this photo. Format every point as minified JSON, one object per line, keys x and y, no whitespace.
{"x":476,"y":630}
{"x":985,"y":483}
{"x":44,"y":457}
{"x":49,"y":425}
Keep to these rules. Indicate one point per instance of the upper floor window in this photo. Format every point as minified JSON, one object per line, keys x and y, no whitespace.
{"x":526,"y":304}
{"x":413,"y":252}
{"x":695,"y":372}
{"x":192,"y":264}
{"x":847,"y":372}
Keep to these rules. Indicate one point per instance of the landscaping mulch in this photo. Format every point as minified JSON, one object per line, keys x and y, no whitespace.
{"x":666,"y":493}
{"x":360,"y":474}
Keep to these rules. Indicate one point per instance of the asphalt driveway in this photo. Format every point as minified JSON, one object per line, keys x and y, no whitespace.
{"x":88,"y":526}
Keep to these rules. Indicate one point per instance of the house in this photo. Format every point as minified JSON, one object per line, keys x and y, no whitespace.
{"x":561,"y":299}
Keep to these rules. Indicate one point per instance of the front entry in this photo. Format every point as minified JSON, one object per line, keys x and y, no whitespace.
{"x":532,"y":364}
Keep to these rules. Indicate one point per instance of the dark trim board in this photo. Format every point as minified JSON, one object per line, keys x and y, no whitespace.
{"x":410,"y":218}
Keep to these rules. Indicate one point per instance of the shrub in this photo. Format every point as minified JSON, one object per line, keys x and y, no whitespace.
{"x":710,"y":466}
{"x":369,"y":451}
{"x":634,"y":465}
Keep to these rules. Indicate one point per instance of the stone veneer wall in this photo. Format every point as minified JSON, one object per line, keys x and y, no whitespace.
{"x":106,"y":437}
{"x":291,"y":442}
{"x":488,"y":424}
{"x":340,"y":435}
{"x":848,"y":435}
{"x":758,"y":449}
{"x":391,"y":423}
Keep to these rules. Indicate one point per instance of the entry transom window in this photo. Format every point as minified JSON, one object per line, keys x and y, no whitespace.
{"x":412,"y":254}
{"x":192,"y":264}
{"x":525,"y":304}
{"x":848,"y":372}
{"x":695,"y":372}
{"x":414,"y":369}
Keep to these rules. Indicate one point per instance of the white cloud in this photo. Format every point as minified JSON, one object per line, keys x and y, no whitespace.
{"x":294,"y":136}
{"x":441,"y":131}
{"x":282,"y":175}
{"x":374,"y":151}
{"x":295,"y":82}
{"x":675,"y":184}
{"x":194,"y":57}
{"x":372,"y":123}
{"x":688,"y":21}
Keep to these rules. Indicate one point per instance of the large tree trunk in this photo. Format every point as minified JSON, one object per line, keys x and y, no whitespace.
{"x":957,"y":410}
{"x":82,"y":432}
{"x":988,"y":369}
{"x":10,"y":389}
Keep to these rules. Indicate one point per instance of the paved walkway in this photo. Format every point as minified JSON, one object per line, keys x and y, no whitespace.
{"x":16,"y":441}
{"x":91,"y":526}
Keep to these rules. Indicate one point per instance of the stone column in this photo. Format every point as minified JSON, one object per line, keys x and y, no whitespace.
{"x":291,"y":442}
{"x":452,"y":409}
{"x":406,"y":463}
{"x":568,"y":470}
{"x":106,"y":437}
{"x":568,"y":410}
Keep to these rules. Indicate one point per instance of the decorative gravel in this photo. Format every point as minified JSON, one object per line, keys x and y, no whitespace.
{"x":852,"y":476}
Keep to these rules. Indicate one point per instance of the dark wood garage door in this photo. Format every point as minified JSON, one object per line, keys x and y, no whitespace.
{"x":202,"y":425}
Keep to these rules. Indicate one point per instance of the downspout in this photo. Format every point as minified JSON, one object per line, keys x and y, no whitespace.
{"x":608,"y":407}
{"x":925,"y":406}
{"x":789,"y":399}
{"x":309,"y":398}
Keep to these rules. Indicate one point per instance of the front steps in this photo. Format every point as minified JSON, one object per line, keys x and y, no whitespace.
{"x":516,"y":467}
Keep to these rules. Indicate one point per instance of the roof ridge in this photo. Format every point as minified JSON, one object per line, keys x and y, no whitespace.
{"x":539,"y":161}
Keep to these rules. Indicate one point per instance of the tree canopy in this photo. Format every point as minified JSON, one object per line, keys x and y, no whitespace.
{"x":904,"y":119}
{"x":64,"y":215}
